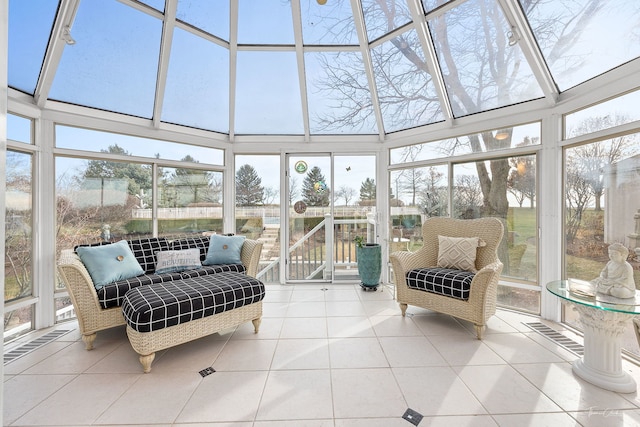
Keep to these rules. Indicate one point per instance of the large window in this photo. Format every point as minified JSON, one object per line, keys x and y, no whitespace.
{"x":602,"y":187}
{"x":505,"y":188}
{"x":18,"y":265}
{"x":416,"y":194}
{"x":257,"y":188}
{"x":502,"y":187}
{"x":189,"y":201}
{"x":100,"y":200}
{"x":115,"y":195}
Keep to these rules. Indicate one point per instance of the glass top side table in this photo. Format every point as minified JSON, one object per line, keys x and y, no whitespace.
{"x":604,"y":320}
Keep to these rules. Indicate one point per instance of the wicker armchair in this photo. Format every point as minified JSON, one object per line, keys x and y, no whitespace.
{"x":481,"y":304}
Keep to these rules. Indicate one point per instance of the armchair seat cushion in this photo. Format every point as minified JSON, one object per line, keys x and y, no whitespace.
{"x":443,"y":281}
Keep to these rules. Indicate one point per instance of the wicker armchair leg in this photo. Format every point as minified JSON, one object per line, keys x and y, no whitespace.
{"x":146,"y":362}
{"x":256,"y":324}
{"x":479,"y":331}
{"x":88,"y":340}
{"x":403,"y":308}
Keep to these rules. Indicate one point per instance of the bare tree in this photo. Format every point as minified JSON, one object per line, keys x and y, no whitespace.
{"x":597,"y":156}
{"x":577,"y":196}
{"x":433,"y":198}
{"x":345,"y":193}
{"x":270,"y":195}
{"x":467,"y":196}
{"x":481,"y":71}
{"x":293,"y":189}
{"x":522,"y":179}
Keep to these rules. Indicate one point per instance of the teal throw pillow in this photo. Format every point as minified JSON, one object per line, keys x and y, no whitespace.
{"x":109,"y":263}
{"x":224,"y":250}
{"x":176,"y":261}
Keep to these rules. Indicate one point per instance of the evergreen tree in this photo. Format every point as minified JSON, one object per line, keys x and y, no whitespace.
{"x":368,"y":190}
{"x":138,"y":176}
{"x":315,"y":192}
{"x":249,"y":189}
{"x":194,"y":184}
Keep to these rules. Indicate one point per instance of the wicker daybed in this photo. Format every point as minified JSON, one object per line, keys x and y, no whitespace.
{"x":96,"y":313}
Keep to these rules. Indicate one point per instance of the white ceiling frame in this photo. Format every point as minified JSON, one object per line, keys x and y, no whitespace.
{"x":441,"y":10}
{"x":431,"y":57}
{"x":358,"y":20}
{"x":163,"y":62}
{"x":516,"y":18}
{"x":297,"y":34}
{"x":233,"y":67}
{"x":64,"y":18}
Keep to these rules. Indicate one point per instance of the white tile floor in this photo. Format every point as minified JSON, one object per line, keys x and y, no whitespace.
{"x":338,"y":357}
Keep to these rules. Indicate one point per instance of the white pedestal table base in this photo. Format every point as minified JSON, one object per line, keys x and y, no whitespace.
{"x":601,"y":364}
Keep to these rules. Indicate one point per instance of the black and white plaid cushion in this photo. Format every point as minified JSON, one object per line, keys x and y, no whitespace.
{"x":145,"y":251}
{"x":205,"y":270}
{"x":161,"y":305}
{"x":112,"y":294}
{"x":200,"y":242}
{"x":443,"y":281}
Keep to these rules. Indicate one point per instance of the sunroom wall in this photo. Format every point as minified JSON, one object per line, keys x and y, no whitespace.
{"x":617,"y":82}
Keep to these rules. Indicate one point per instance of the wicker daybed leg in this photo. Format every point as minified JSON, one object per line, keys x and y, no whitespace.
{"x":403,"y":308}
{"x":256,"y":324}
{"x":88,"y":340}
{"x":479,"y":331}
{"x":147,"y":361}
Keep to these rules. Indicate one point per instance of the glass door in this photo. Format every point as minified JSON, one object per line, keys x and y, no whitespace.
{"x":332,"y":199}
{"x":309,"y":218}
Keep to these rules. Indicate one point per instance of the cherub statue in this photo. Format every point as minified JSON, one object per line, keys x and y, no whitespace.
{"x":616,"y":278}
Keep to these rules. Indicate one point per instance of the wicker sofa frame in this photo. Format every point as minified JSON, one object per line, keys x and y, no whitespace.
{"x":481,"y":304}
{"x":146,"y":344}
{"x":92,"y":318}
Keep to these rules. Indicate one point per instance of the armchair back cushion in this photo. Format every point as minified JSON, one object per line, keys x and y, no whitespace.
{"x":489,"y":232}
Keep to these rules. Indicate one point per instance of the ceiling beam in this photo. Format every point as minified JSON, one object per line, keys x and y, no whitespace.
{"x":297,"y":33}
{"x":63,"y":23}
{"x":422,"y":28}
{"x":358,"y":20}
{"x":516,"y":18}
{"x":168,"y":26}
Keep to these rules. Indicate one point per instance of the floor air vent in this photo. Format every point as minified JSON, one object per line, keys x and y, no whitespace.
{"x":33,"y":345}
{"x":558,"y":338}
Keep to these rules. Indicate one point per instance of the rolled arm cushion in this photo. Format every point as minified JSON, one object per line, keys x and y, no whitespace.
{"x":159,"y":306}
{"x":444,"y":281}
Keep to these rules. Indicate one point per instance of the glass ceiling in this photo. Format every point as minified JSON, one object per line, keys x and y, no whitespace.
{"x":295,"y":67}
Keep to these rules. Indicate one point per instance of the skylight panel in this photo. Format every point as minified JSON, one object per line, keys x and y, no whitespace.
{"x":114,"y":63}
{"x":29,"y":31}
{"x":107,"y":142}
{"x":268,"y":94}
{"x":429,"y":5}
{"x":580,"y":41}
{"x":405,"y":89}
{"x":338,"y":94}
{"x":156,"y":4}
{"x":197,"y":88}
{"x":481,"y":70}
{"x":383,"y":16}
{"x":265,"y":22}
{"x":328,"y":24}
{"x":210,"y":16}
